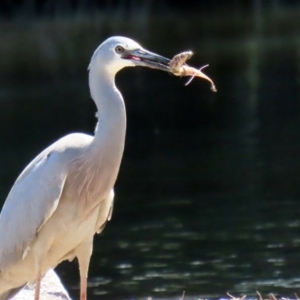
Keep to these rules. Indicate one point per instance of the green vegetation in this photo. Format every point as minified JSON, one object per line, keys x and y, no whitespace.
{"x":39,"y":48}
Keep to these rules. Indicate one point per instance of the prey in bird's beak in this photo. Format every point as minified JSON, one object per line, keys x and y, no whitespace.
{"x":177,"y":65}
{"x":145,"y":58}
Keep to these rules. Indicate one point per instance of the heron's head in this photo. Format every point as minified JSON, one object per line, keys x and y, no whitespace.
{"x":119,"y":52}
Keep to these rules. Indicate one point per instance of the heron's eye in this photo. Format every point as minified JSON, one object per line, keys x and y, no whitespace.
{"x":119,"y":49}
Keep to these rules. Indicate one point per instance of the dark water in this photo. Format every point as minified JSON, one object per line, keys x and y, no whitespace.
{"x":207,"y":200}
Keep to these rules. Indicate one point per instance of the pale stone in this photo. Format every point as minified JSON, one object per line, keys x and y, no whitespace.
{"x":51,"y":288}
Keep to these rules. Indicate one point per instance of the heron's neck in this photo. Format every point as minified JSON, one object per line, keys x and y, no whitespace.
{"x":110,"y":131}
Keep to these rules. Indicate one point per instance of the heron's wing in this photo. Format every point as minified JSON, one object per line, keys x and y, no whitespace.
{"x":105,"y":212}
{"x":30,"y":203}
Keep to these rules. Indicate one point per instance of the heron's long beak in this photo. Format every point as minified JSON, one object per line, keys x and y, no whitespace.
{"x":142,"y":57}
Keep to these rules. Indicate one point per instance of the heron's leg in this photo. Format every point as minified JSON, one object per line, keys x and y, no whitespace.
{"x":38,"y":285}
{"x":83,"y":253}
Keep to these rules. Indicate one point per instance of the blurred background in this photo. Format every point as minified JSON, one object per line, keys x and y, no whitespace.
{"x":207,"y":199}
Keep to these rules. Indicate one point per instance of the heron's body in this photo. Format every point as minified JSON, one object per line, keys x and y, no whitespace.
{"x":65,"y":194}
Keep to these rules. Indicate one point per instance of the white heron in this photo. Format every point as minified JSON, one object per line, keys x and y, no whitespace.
{"x":65,"y":195}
